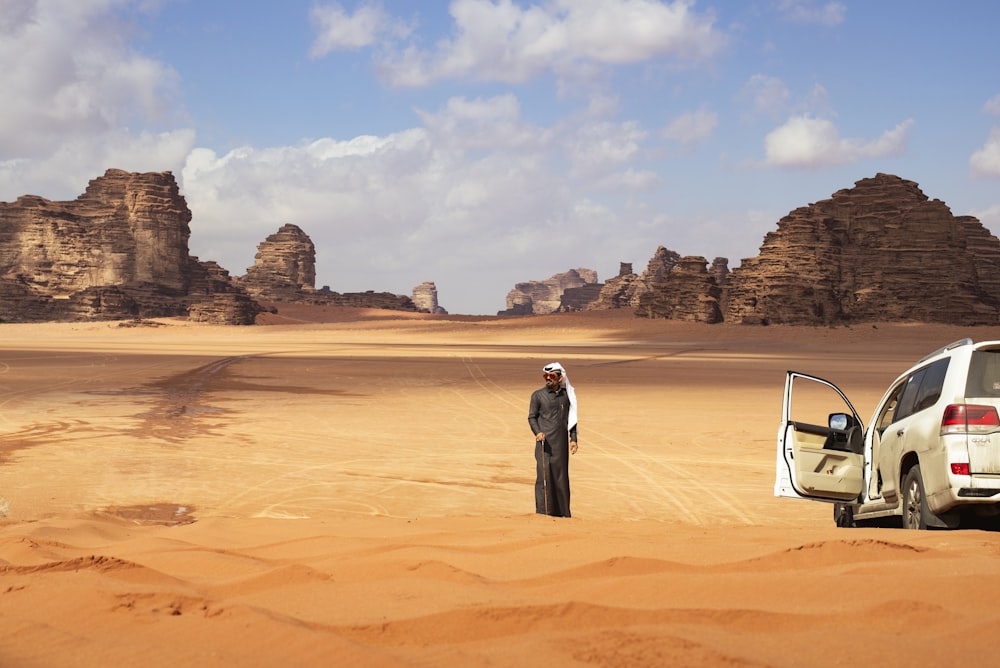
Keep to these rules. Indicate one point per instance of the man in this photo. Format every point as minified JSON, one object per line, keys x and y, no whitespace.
{"x":552,"y":418}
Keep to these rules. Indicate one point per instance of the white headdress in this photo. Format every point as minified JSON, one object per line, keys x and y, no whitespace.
{"x":570,"y":392}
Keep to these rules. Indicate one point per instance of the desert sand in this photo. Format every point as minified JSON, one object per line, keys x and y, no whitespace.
{"x":351,"y":487}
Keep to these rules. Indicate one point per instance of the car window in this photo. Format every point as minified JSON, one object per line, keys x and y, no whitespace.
{"x":984,"y":374}
{"x":812,"y":402}
{"x":931,"y":385}
{"x":922,"y":389}
{"x":886,"y":417}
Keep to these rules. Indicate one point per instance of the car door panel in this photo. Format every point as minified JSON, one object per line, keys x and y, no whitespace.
{"x":812,"y":461}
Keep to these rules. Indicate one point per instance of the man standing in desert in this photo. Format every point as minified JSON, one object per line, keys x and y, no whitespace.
{"x":552,"y":418}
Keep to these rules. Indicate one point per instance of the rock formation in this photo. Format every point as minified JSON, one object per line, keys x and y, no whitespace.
{"x":688,"y":292}
{"x":617,"y":292}
{"x":284,"y":267}
{"x":231,"y":308}
{"x":880,"y":251}
{"x":720,"y":269}
{"x":284,"y":272}
{"x":628,"y":290}
{"x":120,"y":250}
{"x":425,"y":298}
{"x":654,"y":278}
{"x":540,"y":297}
{"x":579,"y":298}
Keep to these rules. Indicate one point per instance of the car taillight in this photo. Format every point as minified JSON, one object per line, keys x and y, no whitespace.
{"x":969,"y":418}
{"x":961,"y":468}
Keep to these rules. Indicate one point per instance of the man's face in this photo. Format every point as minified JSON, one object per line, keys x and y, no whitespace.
{"x":552,"y":380}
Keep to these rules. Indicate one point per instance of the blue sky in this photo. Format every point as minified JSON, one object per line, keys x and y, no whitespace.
{"x":481,"y":143}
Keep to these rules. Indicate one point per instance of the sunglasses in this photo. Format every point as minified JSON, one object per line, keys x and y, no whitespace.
{"x":551,"y":374}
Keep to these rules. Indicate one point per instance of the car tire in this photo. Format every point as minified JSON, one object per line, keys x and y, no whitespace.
{"x":915,"y":513}
{"x":843,"y":515}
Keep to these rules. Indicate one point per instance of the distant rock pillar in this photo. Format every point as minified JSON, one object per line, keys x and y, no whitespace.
{"x":425,"y":298}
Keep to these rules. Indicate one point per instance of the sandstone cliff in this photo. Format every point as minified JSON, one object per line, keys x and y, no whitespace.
{"x":284,"y":267}
{"x":617,"y":292}
{"x":688,"y":292}
{"x":879,"y":251}
{"x":540,"y":297}
{"x":284,"y":272}
{"x":120,"y":250}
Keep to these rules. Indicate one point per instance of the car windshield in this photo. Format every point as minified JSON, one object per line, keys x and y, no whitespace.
{"x":984,"y":374}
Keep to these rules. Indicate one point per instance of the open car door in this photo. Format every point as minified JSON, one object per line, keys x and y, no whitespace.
{"x":820,"y":442}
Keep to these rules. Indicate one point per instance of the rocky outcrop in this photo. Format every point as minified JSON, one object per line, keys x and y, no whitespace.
{"x":120,"y":250}
{"x":720,"y":269}
{"x":880,"y":251}
{"x":284,"y":272}
{"x":688,"y":292}
{"x":368,"y":299}
{"x":540,"y":297}
{"x":233,"y":308}
{"x":284,"y":267}
{"x":425,"y":298}
{"x":617,"y":292}
{"x":654,"y":278}
{"x":579,"y":298}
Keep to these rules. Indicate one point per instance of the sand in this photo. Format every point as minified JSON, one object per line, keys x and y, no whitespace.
{"x":352,"y":487}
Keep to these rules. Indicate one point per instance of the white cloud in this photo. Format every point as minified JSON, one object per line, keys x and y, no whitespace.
{"x":478,"y":188}
{"x":692,"y":127}
{"x":75,"y":75}
{"x":65,"y":172}
{"x":501,"y":41}
{"x":337,"y":30}
{"x":986,"y":161}
{"x":804,"y":141}
{"x":601,"y":147}
{"x":811,"y":11}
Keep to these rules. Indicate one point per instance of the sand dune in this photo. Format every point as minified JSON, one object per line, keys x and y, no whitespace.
{"x":349,"y":487}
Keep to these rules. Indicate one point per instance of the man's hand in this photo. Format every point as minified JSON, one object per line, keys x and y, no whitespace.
{"x":572,"y":447}
{"x":540,"y":437}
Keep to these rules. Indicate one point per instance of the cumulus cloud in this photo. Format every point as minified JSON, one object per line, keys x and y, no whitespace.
{"x":805,"y":141}
{"x":64,"y":173}
{"x":811,"y":11}
{"x":986,"y":161}
{"x":692,"y":127}
{"x":338,"y":30}
{"x":502,"y":41}
{"x":76,"y":89}
{"x":475,"y":178}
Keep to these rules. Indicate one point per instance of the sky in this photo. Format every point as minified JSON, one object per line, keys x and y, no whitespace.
{"x":482,"y":143}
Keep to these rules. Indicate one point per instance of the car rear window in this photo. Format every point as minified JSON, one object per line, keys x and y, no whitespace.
{"x":923,"y":389}
{"x":984,"y":374}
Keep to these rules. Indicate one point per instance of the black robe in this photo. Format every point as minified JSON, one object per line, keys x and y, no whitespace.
{"x":548,"y":412}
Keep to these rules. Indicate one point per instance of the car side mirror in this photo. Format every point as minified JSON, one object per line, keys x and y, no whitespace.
{"x":838,"y":421}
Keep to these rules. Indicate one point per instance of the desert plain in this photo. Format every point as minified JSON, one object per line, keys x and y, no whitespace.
{"x":354,"y":487}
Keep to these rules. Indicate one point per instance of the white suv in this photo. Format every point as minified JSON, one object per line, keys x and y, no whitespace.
{"x":930,"y":454}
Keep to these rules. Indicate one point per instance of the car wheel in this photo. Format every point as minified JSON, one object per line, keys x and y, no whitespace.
{"x":843,"y":515}
{"x":915,"y":511}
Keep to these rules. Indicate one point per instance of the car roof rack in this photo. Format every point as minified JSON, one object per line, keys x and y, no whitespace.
{"x":954,"y":344}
